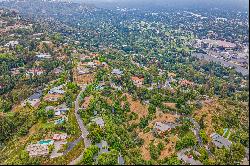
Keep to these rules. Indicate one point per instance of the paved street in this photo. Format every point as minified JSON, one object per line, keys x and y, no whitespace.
{"x":197,"y":131}
{"x":83,"y":129}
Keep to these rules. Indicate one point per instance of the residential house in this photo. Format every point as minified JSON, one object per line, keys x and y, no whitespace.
{"x":11,"y":43}
{"x":185,"y":83}
{"x":57,"y":70}
{"x":85,"y":57}
{"x":91,"y":64}
{"x":47,"y":42}
{"x":43,"y":56}
{"x":16,"y":71}
{"x":220,"y":141}
{"x":34,"y":71}
{"x":59,"y":137}
{"x":97,"y":63}
{"x":94,"y":55}
{"x":103,"y":147}
{"x":33,"y":100}
{"x":104,"y":64}
{"x":117,"y":72}
{"x":163,"y":127}
{"x":37,"y":150}
{"x":49,"y":108}
{"x":138,"y":81}
{"x":61,"y":109}
{"x":187,"y":159}
{"x":83,"y":70}
{"x":1,"y":86}
{"x":99,"y":121}
{"x":161,"y":72}
{"x":57,"y":90}
{"x":115,"y":87}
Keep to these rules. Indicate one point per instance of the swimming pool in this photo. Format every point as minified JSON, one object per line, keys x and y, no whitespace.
{"x":46,"y":142}
{"x":59,"y":121}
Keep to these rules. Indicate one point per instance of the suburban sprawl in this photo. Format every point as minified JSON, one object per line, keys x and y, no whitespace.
{"x":86,"y":85}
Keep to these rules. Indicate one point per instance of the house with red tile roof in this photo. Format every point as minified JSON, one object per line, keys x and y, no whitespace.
{"x":138,"y":81}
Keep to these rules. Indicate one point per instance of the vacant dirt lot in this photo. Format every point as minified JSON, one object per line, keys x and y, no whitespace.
{"x":82,"y":79}
{"x":170,"y":105}
{"x":86,"y":102}
{"x":137,"y":107}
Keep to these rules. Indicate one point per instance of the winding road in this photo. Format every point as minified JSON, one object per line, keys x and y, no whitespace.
{"x":83,"y":129}
{"x":196,"y":131}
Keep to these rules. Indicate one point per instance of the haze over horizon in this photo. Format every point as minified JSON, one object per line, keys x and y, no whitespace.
{"x":225,"y":4}
{"x":232,"y":4}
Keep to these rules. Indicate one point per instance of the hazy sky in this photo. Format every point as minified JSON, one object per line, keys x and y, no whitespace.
{"x":174,"y":3}
{"x":239,"y":4}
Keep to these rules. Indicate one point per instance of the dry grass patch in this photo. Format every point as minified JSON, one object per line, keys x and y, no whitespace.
{"x":86,"y":102}
{"x":169,"y":148}
{"x":170,"y":105}
{"x":207,"y":111}
{"x":147,"y":137}
{"x":137,"y":107}
{"x":161,"y":117}
{"x":82,"y":79}
{"x":48,"y":97}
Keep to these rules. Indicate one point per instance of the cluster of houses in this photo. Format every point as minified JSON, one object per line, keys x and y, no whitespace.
{"x":209,"y":43}
{"x":5,"y":28}
{"x":231,"y":53}
{"x":54,"y":94}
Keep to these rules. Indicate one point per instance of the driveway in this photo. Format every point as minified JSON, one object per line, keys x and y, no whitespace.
{"x":181,"y":156}
{"x":58,"y":146}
